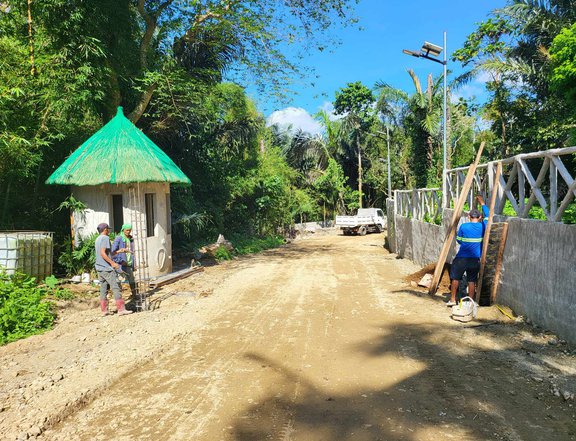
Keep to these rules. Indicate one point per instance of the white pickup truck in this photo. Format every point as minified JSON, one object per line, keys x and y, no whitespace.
{"x":367,"y":220}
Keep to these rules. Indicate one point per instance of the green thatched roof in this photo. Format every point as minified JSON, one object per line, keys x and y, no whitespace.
{"x":119,"y":153}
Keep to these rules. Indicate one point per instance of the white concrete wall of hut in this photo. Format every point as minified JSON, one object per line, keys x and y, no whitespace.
{"x":98,"y":200}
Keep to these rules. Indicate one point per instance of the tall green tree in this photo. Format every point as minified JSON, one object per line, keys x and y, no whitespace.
{"x":563,"y":56}
{"x":514,"y":48}
{"x":355,"y":103}
{"x":420,"y":114}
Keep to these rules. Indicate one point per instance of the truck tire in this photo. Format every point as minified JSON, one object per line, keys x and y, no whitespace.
{"x":362,"y":231}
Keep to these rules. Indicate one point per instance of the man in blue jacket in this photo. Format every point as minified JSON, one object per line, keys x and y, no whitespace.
{"x":467,"y":259}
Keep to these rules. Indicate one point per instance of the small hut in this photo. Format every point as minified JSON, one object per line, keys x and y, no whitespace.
{"x":123,"y":177}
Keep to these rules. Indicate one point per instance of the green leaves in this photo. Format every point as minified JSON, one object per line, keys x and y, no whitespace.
{"x":354,"y":98}
{"x":23,"y":308}
{"x":563,"y":73}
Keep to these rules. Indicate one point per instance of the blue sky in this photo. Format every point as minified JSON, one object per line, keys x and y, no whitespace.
{"x":375,"y":53}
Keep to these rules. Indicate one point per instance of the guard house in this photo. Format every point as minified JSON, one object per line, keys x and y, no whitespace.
{"x":123,"y":177}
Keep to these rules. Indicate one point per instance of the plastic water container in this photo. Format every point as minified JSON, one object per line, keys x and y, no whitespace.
{"x":29,"y":252}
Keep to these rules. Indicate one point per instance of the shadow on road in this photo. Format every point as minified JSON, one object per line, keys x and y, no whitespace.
{"x":460,"y":391}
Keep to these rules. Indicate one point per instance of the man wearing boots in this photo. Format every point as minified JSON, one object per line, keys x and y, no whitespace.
{"x":106,"y":269}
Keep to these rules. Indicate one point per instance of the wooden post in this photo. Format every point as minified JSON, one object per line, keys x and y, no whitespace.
{"x":487,"y":232}
{"x":454,"y":223}
{"x":498,"y":269}
{"x":72,"y":229}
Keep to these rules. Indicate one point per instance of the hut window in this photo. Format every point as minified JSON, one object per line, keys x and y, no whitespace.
{"x":117,"y":212}
{"x":150,"y":214}
{"x":168,"y":215}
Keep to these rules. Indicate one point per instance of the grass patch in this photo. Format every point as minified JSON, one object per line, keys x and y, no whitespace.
{"x":251,"y":245}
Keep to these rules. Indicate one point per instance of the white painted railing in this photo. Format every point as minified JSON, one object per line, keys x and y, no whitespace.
{"x":519,"y":185}
{"x":419,"y":204}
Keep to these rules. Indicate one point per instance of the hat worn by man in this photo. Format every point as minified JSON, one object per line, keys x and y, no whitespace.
{"x":101,"y":227}
{"x":474,"y":214}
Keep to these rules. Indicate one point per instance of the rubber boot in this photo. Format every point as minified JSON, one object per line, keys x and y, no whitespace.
{"x":104,"y":307}
{"x":121,"y":306}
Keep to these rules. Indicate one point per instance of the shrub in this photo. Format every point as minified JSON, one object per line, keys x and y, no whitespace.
{"x":83,"y":258}
{"x":222,"y":253}
{"x":24,"y":310}
{"x":60,"y":293}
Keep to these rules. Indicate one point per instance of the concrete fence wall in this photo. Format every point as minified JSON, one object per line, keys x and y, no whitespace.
{"x":538,"y":277}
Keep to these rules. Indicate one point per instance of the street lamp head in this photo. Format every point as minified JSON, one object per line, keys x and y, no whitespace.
{"x":431,"y":49}
{"x":414,"y":54}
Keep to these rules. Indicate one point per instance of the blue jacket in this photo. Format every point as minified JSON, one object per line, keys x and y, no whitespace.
{"x":470,"y":236}
{"x":121,"y":258}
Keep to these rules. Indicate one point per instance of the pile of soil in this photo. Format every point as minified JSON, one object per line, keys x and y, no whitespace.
{"x":443,"y":287}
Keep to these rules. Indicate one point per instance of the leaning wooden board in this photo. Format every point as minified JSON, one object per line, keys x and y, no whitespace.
{"x":487,"y":232}
{"x":454,"y":223}
{"x":490,"y":279}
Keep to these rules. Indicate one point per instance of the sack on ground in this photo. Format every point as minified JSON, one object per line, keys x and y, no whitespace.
{"x":465,"y":310}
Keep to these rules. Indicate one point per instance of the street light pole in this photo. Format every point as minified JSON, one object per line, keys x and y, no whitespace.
{"x":445,"y":124}
{"x":430,"y":51}
{"x":389,"y":179}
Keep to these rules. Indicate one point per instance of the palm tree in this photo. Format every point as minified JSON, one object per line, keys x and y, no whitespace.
{"x":420,"y":114}
{"x":307,"y":154}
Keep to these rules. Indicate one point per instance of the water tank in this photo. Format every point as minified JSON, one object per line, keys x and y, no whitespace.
{"x":28,"y":252}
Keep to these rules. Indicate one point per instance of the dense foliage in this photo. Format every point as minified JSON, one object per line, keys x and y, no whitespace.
{"x":179,"y":68}
{"x":24,"y":309}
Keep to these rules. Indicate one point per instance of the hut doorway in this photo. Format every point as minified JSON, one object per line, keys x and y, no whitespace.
{"x":117,"y":213}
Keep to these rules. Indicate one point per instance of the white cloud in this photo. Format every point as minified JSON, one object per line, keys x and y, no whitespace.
{"x":475,"y":89}
{"x":468,"y":91}
{"x":328,"y":107}
{"x":295,"y":118}
{"x":483,"y":77}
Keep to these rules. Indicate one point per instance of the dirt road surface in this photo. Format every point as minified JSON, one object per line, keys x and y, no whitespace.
{"x":320,"y":340}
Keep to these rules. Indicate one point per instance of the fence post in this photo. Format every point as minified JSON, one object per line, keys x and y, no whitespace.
{"x":553,"y":190}
{"x":490,"y":171}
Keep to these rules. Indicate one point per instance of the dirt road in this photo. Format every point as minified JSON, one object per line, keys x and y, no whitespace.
{"x":318,"y":340}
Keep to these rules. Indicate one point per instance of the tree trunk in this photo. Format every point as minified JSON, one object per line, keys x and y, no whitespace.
{"x":6,"y":199}
{"x":137,"y":113}
{"x":429,"y":152}
{"x":31,"y":40}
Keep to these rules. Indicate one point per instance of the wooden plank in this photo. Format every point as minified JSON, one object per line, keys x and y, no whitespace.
{"x":487,"y":232}
{"x":173,"y":277}
{"x":498,"y":269}
{"x":454,"y":223}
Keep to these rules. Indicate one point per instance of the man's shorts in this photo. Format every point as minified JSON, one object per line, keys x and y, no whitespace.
{"x":468,"y":265}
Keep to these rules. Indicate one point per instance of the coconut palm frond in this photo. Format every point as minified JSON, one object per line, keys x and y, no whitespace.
{"x":416,"y":81}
